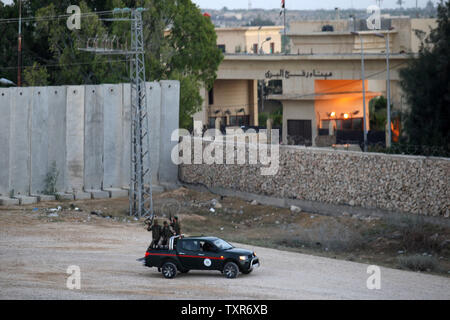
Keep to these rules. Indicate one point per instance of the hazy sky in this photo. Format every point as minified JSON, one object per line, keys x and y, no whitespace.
{"x":299,"y":4}
{"x":305,"y":5}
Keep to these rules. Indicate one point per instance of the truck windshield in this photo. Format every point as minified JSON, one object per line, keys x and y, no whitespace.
{"x":222,"y":244}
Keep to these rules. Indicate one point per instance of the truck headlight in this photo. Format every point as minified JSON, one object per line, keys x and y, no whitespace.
{"x":243,"y":258}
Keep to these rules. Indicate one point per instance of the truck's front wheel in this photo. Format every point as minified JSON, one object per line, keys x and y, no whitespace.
{"x":169,"y":270}
{"x":231,"y":270}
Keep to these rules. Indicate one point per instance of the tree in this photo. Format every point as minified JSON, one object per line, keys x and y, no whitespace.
{"x":76,"y":66}
{"x":36,"y":75}
{"x":378,"y":113}
{"x":429,"y":9}
{"x":181,"y":44}
{"x":426,"y":83}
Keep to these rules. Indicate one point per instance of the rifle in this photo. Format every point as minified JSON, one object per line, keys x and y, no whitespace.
{"x":149,"y":222}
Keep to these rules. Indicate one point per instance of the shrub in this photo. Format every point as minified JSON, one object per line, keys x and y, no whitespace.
{"x":418,"y":262}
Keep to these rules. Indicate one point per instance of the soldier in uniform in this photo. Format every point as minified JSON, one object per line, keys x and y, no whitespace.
{"x":166,"y":233}
{"x":155,"y":228}
{"x":176,"y":226}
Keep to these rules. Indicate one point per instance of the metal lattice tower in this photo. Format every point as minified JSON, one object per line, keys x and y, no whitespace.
{"x":141,"y":200}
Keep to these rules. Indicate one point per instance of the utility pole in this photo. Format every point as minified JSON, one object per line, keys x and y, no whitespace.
{"x":140,"y":196}
{"x":284,"y":23}
{"x":19,"y":48}
{"x":363,"y":78}
{"x":388,"y":85}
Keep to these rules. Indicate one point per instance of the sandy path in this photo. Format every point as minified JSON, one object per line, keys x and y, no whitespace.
{"x":34,"y":259}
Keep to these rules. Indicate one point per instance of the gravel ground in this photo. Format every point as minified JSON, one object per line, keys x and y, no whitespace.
{"x":35,"y":254}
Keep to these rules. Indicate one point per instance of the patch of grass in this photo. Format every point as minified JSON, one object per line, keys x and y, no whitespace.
{"x":418,"y":262}
{"x":51,"y":179}
{"x":330,"y":236}
{"x":413,"y":233}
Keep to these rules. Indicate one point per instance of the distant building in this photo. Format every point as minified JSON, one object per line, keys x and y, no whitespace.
{"x":252,"y":40}
{"x":318,"y":83}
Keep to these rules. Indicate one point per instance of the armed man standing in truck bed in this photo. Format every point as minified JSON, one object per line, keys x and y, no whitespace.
{"x":166,"y":233}
{"x":176,"y":226}
{"x":155,"y":228}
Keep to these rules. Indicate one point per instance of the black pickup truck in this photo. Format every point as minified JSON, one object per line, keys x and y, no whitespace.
{"x":200,"y":253}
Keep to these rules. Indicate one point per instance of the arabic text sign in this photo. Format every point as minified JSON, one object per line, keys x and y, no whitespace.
{"x":307,"y":74}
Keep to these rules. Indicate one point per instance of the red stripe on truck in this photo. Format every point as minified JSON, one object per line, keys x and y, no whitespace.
{"x":181,"y":256}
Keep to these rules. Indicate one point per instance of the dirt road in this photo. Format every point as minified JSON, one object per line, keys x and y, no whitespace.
{"x":35,"y":254}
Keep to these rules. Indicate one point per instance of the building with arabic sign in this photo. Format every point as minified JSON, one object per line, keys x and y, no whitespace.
{"x":318,"y":83}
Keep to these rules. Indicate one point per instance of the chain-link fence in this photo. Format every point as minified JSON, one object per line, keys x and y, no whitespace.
{"x":410,"y":149}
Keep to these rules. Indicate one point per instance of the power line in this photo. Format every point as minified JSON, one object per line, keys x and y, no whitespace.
{"x":68,"y":64}
{"x":49,"y":18}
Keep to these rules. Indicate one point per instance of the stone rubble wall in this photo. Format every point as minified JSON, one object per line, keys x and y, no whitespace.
{"x":397,"y":183}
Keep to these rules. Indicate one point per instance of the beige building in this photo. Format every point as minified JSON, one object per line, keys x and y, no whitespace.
{"x":319,"y":82}
{"x":253,"y":40}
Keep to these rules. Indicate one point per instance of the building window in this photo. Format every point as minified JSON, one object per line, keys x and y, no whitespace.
{"x":240,"y":120}
{"x":272,"y":47}
{"x":221,"y":47}
{"x":211,"y":96}
{"x":255,"y":48}
{"x":299,"y":132}
{"x":212,"y":121}
{"x":355,"y":124}
{"x":275,"y":87}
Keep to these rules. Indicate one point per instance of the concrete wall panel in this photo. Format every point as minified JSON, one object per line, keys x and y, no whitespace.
{"x":93,"y":137}
{"x":170,"y":102}
{"x":154,"y":111}
{"x":20,"y":140}
{"x":75,"y":138}
{"x":86,"y":131}
{"x":113,"y":138}
{"x":39,"y":139}
{"x":57,"y":98}
{"x":5,"y":136}
{"x":126,"y":134}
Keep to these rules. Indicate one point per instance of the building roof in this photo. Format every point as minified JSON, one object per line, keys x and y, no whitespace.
{"x":251,"y":28}
{"x":315,"y":56}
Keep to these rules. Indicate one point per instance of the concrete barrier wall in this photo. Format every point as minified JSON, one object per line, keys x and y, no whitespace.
{"x":113,"y":140}
{"x":168,"y":171}
{"x":74,"y":168}
{"x":57,"y":133}
{"x":126,"y":134}
{"x":154,"y":107}
{"x":93,"y":142}
{"x":5,"y":140}
{"x":20,"y":140}
{"x":39,"y":139}
{"x":85,"y":131}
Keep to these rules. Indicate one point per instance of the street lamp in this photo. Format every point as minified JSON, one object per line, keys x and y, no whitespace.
{"x":363,"y":77}
{"x":261,"y":48}
{"x":388,"y":86}
{"x":19,"y":48}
